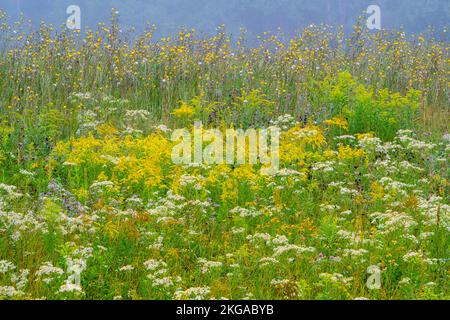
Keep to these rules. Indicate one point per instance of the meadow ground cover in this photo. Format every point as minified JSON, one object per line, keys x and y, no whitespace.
{"x":93,"y":207}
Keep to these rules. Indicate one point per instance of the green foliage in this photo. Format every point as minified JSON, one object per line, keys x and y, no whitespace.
{"x":383,"y":112}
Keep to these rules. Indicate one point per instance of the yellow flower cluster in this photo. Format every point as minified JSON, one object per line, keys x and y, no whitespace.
{"x":131,"y":162}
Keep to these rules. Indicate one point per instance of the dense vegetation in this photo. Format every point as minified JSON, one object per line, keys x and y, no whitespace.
{"x":91,"y":205}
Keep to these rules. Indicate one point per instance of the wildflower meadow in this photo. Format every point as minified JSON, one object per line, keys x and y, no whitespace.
{"x":352,"y":201}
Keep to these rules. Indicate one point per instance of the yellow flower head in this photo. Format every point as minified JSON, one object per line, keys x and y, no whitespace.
{"x":184,"y":111}
{"x":338,"y":122}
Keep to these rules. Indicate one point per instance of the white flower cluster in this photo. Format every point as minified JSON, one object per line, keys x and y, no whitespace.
{"x":207,"y":265}
{"x":194,"y":293}
{"x":10,"y":190}
{"x":284,"y":122}
{"x":336,"y":278}
{"x":244,"y":212}
{"x":136,"y":115}
{"x":47,"y":272}
{"x":6,"y":266}
{"x":101,"y":185}
{"x":278,"y":251}
{"x":390,"y":221}
{"x":9,"y":292}
{"x":267,"y":261}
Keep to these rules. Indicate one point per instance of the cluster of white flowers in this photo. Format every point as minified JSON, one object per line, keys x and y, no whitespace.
{"x":354,"y":253}
{"x":259,"y":237}
{"x":9,"y":292}
{"x":244,"y":212}
{"x":368,"y":143}
{"x":237,"y":230}
{"x":20,"y":279}
{"x":345,"y":137}
{"x":404,"y":281}
{"x":158,"y":269}
{"x":387,"y":165}
{"x":70,"y":287}
{"x":132,"y":131}
{"x":6,"y":266}
{"x":425,"y":235}
{"x":165,"y":282}
{"x":336,"y":278}
{"x":284,"y":172}
{"x":83,"y":96}
{"x":170,"y":220}
{"x":186,"y":179}
{"x":207,"y":265}
{"x":267,"y":261}
{"x":334,"y":184}
{"x":329,"y":207}
{"x":278,"y":251}
{"x":416,"y":145}
{"x":76,"y":263}
{"x":27,"y":173}
{"x":170,"y":205}
{"x":284,"y":122}
{"x":135,"y":201}
{"x":194,"y":293}
{"x":306,"y":133}
{"x":405,"y":165}
{"x":162,"y":128}
{"x":10,"y":190}
{"x":101,"y":185}
{"x":126,"y":268}
{"x":88,"y":121}
{"x":410,"y":237}
{"x":47,"y":271}
{"x":413,"y":256}
{"x":326,"y":166}
{"x":158,"y":266}
{"x":113,"y":160}
{"x":280,"y":282}
{"x":69,"y":164}
{"x":391,"y":221}
{"x":157,"y":244}
{"x":136,"y":115}
{"x":22,"y":222}
{"x":347,"y":191}
{"x":434,"y":211}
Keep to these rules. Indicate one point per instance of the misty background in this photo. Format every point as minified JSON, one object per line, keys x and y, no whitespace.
{"x":257,"y":16}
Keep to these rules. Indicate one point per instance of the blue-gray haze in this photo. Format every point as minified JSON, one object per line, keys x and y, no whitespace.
{"x":255,"y":15}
